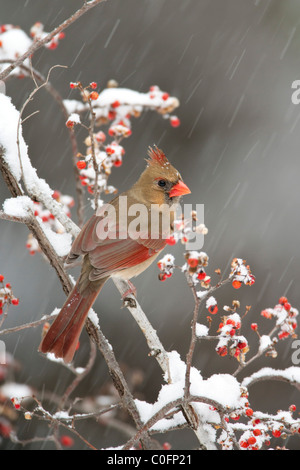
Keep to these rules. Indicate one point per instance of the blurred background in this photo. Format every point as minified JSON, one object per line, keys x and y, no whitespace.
{"x":231,"y":64}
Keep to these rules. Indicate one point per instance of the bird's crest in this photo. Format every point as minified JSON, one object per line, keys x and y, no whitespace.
{"x":156,"y":156}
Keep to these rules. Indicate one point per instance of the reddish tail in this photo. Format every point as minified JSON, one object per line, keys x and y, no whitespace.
{"x":63,"y":336}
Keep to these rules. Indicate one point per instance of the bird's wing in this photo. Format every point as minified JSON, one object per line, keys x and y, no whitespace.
{"x":116,"y":251}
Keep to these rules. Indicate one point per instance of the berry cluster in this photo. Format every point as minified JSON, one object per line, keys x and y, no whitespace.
{"x":37,"y":33}
{"x":285,"y":316}
{"x":166,"y":266}
{"x":230,"y":341}
{"x":196,"y":262}
{"x":164,"y":103}
{"x":241,"y":273}
{"x":67,"y":202}
{"x":6,"y":295}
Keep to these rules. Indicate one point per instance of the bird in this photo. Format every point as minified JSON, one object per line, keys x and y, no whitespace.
{"x":159,"y":187}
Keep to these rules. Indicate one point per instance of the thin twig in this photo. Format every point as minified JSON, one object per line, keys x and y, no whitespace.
{"x":38,"y":44}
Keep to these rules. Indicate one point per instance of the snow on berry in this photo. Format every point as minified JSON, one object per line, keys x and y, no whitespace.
{"x":230,"y":341}
{"x":72,"y":120}
{"x":166,"y":266}
{"x":241,"y":273}
{"x":54,"y":228}
{"x":37,"y":33}
{"x":285,"y":316}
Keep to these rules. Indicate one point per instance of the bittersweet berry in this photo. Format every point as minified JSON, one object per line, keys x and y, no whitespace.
{"x":201,"y":275}
{"x":171,"y":241}
{"x":174,"y":121}
{"x":81,"y":164}
{"x":213,"y":309}
{"x":236,"y":284}
{"x":66,"y":441}
{"x":94,"y":95}
{"x":192,"y":262}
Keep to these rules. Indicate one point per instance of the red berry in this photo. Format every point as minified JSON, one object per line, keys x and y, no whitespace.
{"x":213,"y":309}
{"x":117,"y":163}
{"x":93,"y":85}
{"x":201,"y":275}
{"x":162,"y":276}
{"x":81,"y":164}
{"x":166,"y":446}
{"x":115,"y":104}
{"x":292,"y":408}
{"x":66,"y":441}
{"x":235,"y":417}
{"x":100,"y":136}
{"x":70,"y":124}
{"x":251,"y":440}
{"x":52,"y":45}
{"x":222,"y":351}
{"x":109,"y":150}
{"x":249,"y":412}
{"x":111,"y":115}
{"x":257,"y":432}
{"x":254,"y":326}
{"x":94,"y":95}
{"x":171,"y":240}
{"x":61,"y":35}
{"x":15,"y":301}
{"x":8,"y":285}
{"x":192,"y":262}
{"x":1,"y":278}
{"x":236,"y":284}
{"x":244,"y":444}
{"x":165,"y":96}
{"x":287,"y":306}
{"x":283,"y":300}
{"x":276,"y":433}
{"x":175,"y":121}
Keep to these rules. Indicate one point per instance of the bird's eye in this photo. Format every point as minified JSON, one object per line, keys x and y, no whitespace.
{"x":161,"y":183}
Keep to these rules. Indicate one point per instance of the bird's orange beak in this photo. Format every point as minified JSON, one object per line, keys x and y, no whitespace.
{"x":179,"y":189}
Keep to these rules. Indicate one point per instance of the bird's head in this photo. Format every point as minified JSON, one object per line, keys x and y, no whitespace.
{"x":160,"y":183}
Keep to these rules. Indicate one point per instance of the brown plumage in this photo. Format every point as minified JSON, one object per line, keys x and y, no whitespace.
{"x":118,"y":255}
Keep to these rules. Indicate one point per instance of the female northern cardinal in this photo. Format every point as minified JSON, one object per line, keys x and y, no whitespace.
{"x":120,"y":256}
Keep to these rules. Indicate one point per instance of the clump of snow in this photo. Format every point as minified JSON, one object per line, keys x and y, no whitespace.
{"x":264,"y":343}
{"x":92,"y":315}
{"x":222,"y":388}
{"x":292,"y":374}
{"x":12,"y":389}
{"x":74,"y":117}
{"x":18,"y":206}
{"x":201,"y":330}
{"x":61,"y":242}
{"x":9,"y":118}
{"x":15,"y":43}
{"x":211,"y":302}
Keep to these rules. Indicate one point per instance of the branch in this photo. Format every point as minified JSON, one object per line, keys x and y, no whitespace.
{"x":38,"y":44}
{"x":37,"y":76}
